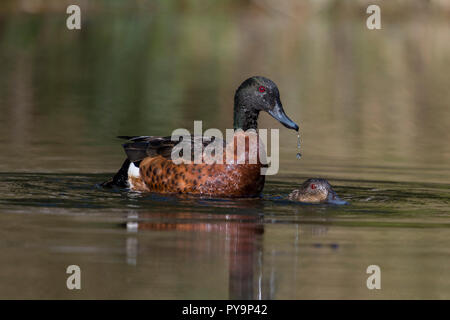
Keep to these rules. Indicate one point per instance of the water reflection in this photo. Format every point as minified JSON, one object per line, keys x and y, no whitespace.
{"x":243,"y":244}
{"x":149,"y":246}
{"x":251,"y":270}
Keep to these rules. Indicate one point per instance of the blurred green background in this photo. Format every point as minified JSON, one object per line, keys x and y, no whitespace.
{"x":370,"y":103}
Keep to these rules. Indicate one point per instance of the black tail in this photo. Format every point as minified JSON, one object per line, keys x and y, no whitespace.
{"x":120,"y":179}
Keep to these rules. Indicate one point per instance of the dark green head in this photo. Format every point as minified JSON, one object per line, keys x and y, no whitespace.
{"x":254,"y":95}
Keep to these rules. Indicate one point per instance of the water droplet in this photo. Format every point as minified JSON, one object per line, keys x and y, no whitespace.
{"x":299,"y":155}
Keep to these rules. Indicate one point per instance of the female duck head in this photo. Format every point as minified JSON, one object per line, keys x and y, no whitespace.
{"x":316,"y":191}
{"x":254,"y":95}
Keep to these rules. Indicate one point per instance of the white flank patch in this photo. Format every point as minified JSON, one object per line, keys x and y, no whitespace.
{"x":134,"y":172}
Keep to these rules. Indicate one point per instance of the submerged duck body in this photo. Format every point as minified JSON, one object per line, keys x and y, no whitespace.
{"x":316,"y":190}
{"x":149,"y":166}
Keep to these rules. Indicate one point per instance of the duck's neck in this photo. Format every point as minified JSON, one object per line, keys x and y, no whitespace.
{"x":245,"y":118}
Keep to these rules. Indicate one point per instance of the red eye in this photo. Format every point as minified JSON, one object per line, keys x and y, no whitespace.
{"x":313,"y":186}
{"x":262,"y":89}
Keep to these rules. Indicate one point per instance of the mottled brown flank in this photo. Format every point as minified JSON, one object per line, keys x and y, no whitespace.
{"x":138,"y":184}
{"x":161,"y":175}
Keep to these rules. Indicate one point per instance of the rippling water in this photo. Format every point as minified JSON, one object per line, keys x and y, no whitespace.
{"x":373,"y":110}
{"x":132,"y":245}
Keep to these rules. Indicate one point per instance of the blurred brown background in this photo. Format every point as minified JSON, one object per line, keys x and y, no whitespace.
{"x":372,"y":104}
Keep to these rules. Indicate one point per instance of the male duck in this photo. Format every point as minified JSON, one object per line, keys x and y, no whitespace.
{"x":149,"y":166}
{"x":316,"y":190}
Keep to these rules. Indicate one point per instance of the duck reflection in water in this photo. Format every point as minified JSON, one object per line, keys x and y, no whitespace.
{"x":204,"y":237}
{"x":243,"y":244}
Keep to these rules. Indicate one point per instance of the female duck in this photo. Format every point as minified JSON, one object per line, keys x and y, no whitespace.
{"x":316,"y":191}
{"x":149,"y":166}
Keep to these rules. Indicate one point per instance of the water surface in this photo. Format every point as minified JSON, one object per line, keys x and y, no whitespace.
{"x":132,"y":245}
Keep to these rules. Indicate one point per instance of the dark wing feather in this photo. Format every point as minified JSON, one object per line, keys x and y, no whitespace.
{"x":141,"y":147}
{"x":139,"y":138}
